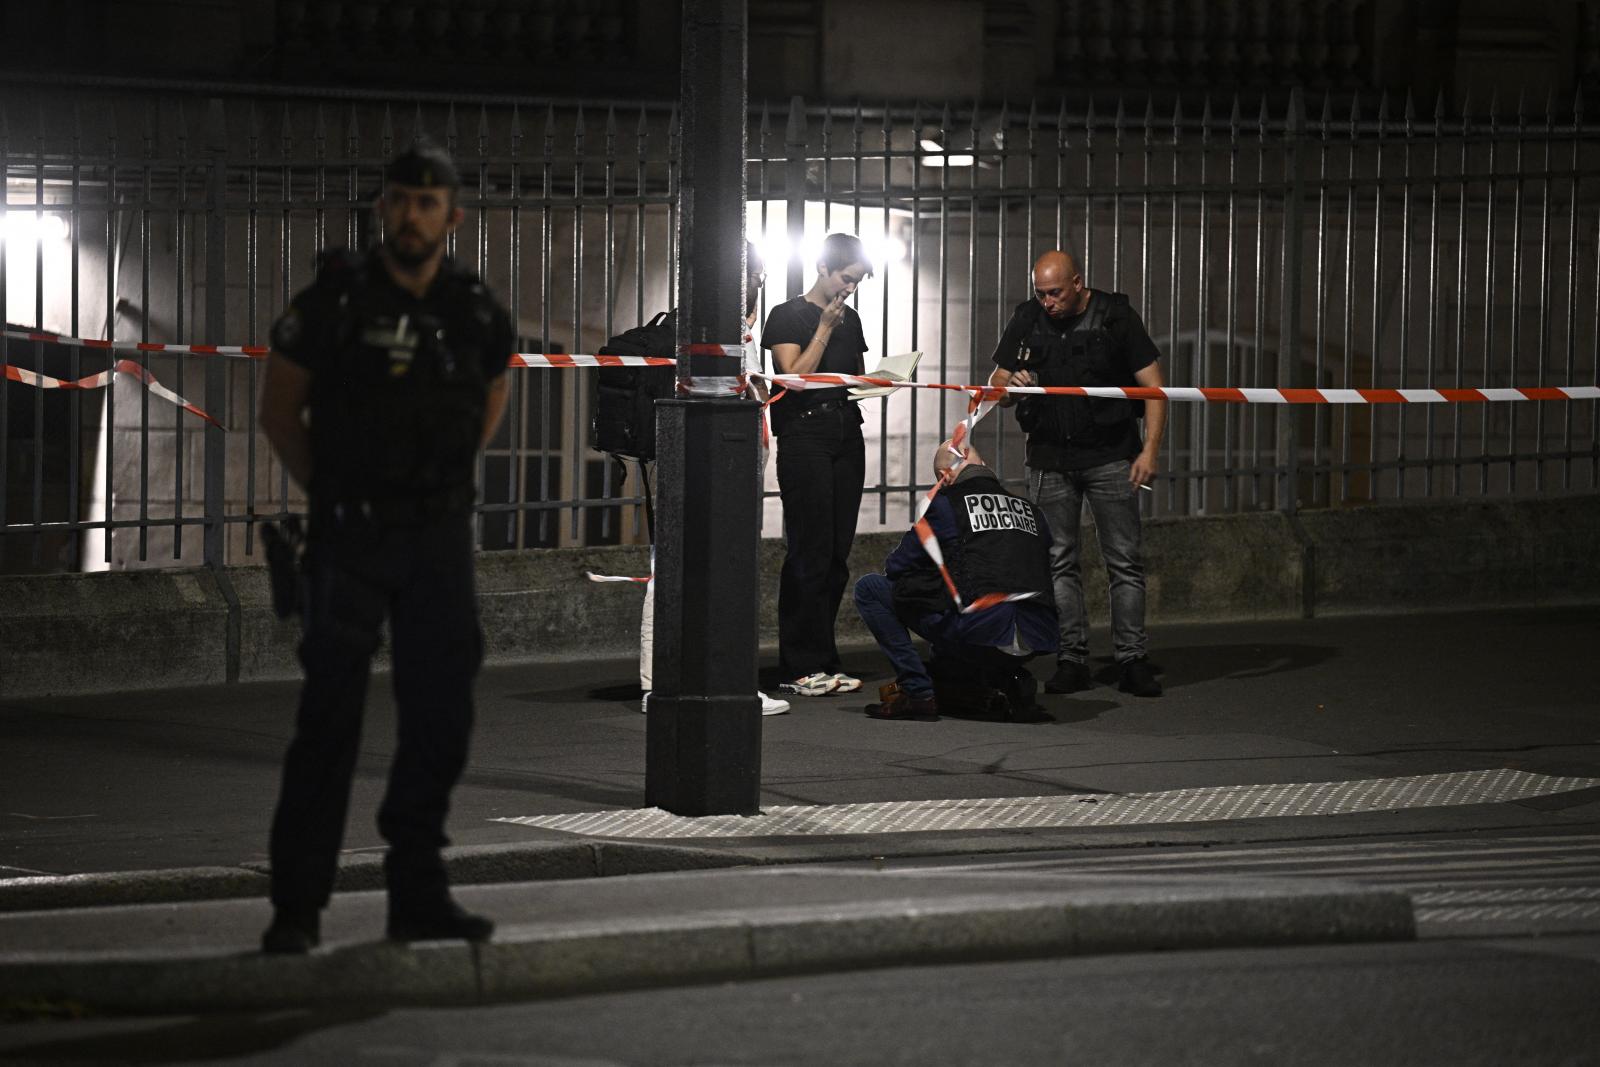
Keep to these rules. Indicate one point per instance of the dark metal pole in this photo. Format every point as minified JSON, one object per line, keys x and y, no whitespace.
{"x":703,"y":731}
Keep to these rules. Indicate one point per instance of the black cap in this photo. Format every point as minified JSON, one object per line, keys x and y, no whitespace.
{"x":424,"y":165}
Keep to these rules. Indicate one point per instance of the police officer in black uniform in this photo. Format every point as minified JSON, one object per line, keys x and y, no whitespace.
{"x":1087,"y":450}
{"x":996,"y":552}
{"x":387,"y":376}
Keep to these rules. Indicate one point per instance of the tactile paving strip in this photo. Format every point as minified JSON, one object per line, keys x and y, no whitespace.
{"x":1208,"y":804}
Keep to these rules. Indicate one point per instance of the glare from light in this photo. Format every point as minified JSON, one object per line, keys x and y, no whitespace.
{"x":930,"y":145}
{"x":962,"y":160}
{"x":20,"y":227}
{"x":774,"y":248}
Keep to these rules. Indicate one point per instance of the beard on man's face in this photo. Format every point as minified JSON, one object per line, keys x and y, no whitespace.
{"x":409,"y":248}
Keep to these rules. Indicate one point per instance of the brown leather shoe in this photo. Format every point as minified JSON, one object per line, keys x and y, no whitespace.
{"x":896,"y":703}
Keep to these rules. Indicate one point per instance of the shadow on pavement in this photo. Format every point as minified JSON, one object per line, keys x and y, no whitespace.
{"x":1182,"y":666}
{"x":208,"y":1037}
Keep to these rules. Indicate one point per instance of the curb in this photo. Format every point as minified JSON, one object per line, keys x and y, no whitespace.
{"x":555,"y":960}
{"x":467,"y":864}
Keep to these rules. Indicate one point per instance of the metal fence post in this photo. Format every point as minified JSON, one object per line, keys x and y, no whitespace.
{"x":1288,"y":458}
{"x":794,"y":192}
{"x":215,"y":480}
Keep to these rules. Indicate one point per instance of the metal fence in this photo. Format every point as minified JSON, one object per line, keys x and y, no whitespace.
{"x":1359,"y":245}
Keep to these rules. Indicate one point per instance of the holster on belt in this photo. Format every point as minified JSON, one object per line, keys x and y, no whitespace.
{"x":285,"y":544}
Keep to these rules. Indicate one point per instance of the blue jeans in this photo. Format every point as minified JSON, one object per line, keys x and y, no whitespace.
{"x":1113,"y":501}
{"x":874,"y":597}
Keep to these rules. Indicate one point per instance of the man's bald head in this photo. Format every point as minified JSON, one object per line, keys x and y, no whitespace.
{"x":1058,"y":285}
{"x":944,"y":458}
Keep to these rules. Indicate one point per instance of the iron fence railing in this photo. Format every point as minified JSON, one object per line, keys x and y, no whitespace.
{"x":1357,"y":244}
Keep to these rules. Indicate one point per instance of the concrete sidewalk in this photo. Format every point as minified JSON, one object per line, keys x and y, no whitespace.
{"x":563,"y":937}
{"x":134,"y":826}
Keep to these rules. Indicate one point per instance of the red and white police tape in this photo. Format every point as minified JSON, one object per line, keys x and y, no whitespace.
{"x":103,"y":379}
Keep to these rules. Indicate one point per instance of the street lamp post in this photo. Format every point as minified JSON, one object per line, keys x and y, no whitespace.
{"x":703,"y":726}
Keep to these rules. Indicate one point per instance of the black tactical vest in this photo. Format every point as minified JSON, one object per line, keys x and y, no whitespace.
{"x":397,"y":417}
{"x":1000,"y":546}
{"x":1087,"y":355}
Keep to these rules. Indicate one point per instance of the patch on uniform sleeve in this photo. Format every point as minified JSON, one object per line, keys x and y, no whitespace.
{"x":287,"y":331}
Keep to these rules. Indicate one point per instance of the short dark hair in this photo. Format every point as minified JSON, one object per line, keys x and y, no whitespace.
{"x":839,"y":250}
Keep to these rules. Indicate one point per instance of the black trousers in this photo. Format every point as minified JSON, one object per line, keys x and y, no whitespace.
{"x":421,"y":579}
{"x":821,"y":465}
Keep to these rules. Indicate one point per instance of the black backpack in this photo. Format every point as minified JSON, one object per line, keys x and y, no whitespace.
{"x":624,"y":422}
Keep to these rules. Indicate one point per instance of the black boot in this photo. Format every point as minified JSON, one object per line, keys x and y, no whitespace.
{"x":1139,"y":679}
{"x":443,"y":920}
{"x":294,"y":932}
{"x":1070,"y":677}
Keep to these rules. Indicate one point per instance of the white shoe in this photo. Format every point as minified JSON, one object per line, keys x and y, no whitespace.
{"x":769,"y":706}
{"x":843,"y":683}
{"x":812,"y":685}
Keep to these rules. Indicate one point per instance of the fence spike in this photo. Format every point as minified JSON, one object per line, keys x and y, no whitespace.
{"x":857,"y":127}
{"x":483,"y":127}
{"x":319,"y":128}
{"x":516,"y":129}
{"x":1577,"y":107}
{"x":1494,"y":106}
{"x":764,"y":131}
{"x":1149,"y":119}
{"x":1522,"y":107}
{"x":1327,"y":112}
{"x":1383,"y":111}
{"x":1205,"y":119}
{"x":1355,"y":113}
{"x":1411,"y":112}
{"x":944,"y":127}
{"x":416,"y":124}
{"x":827,"y":131}
{"x":386,"y":135}
{"x":285,"y":134}
{"x":352,"y":134}
{"x":1088,"y":125}
{"x":1233,"y":118}
{"x":181,"y":128}
{"x":450,"y":137}
{"x":1262,"y":119}
{"x":1177,"y":121}
{"x":611,"y":132}
{"x":1438,"y":109}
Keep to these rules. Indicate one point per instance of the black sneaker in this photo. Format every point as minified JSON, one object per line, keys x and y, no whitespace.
{"x":293,"y":932}
{"x":445,"y":922}
{"x":1139,"y":679}
{"x":1070,"y":677}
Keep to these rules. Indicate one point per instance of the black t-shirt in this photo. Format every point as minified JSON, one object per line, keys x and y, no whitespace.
{"x":794,"y":322}
{"x":1134,"y":350}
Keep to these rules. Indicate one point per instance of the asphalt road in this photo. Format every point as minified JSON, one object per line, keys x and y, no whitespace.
{"x":1453,"y":1004}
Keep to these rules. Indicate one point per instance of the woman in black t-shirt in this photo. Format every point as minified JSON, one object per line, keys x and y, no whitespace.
{"x":821,"y":465}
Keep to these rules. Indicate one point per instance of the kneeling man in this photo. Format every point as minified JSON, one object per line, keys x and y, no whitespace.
{"x":996,"y":548}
